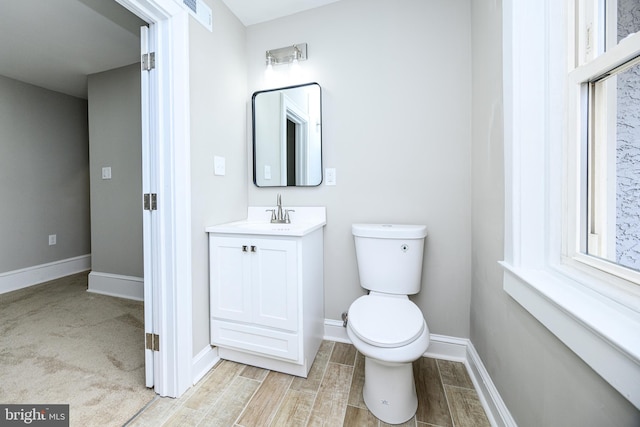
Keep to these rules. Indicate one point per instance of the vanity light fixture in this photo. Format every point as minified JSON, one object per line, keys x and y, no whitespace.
{"x":286,"y":55}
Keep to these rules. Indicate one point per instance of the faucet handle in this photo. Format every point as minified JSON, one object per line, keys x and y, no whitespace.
{"x":286,"y":215}
{"x":273,"y":214}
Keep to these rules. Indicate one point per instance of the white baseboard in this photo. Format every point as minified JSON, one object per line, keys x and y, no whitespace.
{"x":458,"y":350}
{"x":116,"y":285}
{"x":25,"y":277}
{"x":492,"y":402}
{"x":203,"y":362}
{"x":447,"y":348}
{"x":334,"y":331}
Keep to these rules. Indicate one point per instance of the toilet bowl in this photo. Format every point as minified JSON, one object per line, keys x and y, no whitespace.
{"x":385,"y":325}
{"x":391,"y":333}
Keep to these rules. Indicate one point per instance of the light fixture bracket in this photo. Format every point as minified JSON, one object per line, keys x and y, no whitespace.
{"x":287,"y":54}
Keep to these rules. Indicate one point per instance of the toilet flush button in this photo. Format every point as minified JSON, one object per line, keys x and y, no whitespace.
{"x":404,"y":247}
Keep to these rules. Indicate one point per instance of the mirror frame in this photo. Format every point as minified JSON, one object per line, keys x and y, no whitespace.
{"x":254,"y":136}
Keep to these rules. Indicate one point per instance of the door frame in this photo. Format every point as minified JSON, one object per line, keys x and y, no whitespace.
{"x":170,"y":134}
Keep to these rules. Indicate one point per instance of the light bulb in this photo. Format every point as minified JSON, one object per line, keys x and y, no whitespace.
{"x":295,"y":66}
{"x":268,"y":72}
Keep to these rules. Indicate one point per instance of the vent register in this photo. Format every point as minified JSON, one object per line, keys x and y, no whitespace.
{"x":199,"y":10}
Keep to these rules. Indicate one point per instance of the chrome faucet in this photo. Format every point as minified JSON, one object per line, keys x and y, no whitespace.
{"x":279,"y":203}
{"x":277,"y":216}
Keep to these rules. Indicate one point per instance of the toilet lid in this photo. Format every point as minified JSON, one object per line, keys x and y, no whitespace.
{"x":385,"y":321}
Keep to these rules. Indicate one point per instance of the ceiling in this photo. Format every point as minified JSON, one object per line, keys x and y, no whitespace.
{"x":251,"y":12}
{"x":56,"y":44}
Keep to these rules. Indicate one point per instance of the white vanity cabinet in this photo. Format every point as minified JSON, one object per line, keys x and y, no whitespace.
{"x":266,"y":297}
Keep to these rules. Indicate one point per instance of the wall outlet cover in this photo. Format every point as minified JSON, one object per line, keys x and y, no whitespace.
{"x":219,"y":165}
{"x":330,"y":176}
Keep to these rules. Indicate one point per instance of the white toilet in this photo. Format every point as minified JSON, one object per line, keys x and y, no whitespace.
{"x":385,"y":326}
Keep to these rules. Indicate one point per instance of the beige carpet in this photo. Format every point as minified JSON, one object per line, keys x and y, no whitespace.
{"x":61,"y":344}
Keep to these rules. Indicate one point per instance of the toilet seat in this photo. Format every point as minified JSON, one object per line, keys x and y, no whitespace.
{"x":386,"y":321}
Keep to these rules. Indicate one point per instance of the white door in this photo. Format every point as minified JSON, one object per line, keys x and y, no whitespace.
{"x":149,"y":220}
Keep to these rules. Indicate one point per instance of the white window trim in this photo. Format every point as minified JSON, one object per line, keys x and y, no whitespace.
{"x":595,"y":317}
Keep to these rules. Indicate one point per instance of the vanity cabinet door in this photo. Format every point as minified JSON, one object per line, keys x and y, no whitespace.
{"x":274,"y":289}
{"x":254,"y":280}
{"x":230,"y":278}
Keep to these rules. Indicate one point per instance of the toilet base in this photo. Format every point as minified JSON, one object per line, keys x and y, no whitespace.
{"x":389,"y":390}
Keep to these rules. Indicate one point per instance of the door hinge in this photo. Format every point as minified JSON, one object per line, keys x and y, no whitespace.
{"x":152,"y":342}
{"x":149,"y":61}
{"x":150,"y":202}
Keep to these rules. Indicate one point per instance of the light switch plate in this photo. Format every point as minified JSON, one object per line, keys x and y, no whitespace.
{"x":106,"y":172}
{"x":219,"y":165}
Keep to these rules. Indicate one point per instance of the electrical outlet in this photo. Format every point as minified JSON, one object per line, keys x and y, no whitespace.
{"x":219,"y":165}
{"x":330,"y":176}
{"x":52,"y":239}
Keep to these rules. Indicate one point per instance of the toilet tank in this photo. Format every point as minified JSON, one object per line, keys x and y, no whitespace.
{"x":389,"y":257}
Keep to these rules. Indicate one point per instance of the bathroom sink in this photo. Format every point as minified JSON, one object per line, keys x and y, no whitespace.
{"x":304,"y":220}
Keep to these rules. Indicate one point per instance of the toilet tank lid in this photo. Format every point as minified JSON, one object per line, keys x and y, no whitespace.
{"x":390,"y":231}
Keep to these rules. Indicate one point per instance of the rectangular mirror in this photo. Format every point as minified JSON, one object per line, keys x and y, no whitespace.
{"x":287,"y":136}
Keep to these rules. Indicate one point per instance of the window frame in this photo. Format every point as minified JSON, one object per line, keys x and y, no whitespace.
{"x":577,"y":141}
{"x":596,"y":314}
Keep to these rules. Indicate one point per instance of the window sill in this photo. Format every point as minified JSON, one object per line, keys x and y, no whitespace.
{"x":602,"y":333}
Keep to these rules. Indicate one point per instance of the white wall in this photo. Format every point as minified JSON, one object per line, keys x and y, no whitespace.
{"x":44,"y":176}
{"x":218,"y":79}
{"x":396,"y":83}
{"x":542,"y":382}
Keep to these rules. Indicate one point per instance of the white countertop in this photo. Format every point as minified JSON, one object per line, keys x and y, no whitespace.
{"x":304,"y":220}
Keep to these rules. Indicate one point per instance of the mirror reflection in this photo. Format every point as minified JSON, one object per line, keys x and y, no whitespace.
{"x":287,"y":136}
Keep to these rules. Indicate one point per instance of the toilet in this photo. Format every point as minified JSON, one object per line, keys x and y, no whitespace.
{"x":385,"y":326}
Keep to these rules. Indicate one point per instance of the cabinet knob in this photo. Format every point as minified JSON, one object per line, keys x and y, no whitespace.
{"x":245,"y":248}
{"x":254,"y":249}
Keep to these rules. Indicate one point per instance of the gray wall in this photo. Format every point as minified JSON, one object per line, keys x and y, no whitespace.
{"x":542,"y":382}
{"x":115,"y":141}
{"x":44,"y":176}
{"x":396,"y":87}
{"x":217,"y":79}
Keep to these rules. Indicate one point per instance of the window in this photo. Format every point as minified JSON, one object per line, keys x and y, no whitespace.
{"x":608,"y":148}
{"x":566,"y":107}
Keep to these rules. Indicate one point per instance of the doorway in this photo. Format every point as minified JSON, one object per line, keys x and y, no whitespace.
{"x":169,"y":258}
{"x":170,"y":234}
{"x":167,"y":254}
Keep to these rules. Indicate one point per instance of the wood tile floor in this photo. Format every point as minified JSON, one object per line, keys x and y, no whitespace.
{"x":233,"y":394}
